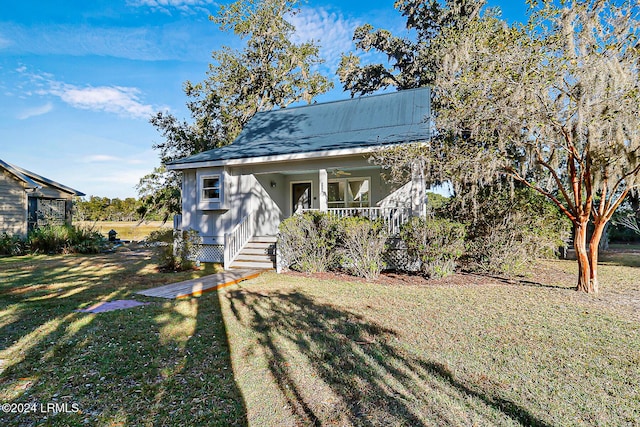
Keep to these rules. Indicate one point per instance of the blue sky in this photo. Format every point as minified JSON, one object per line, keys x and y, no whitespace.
{"x":80,"y":79}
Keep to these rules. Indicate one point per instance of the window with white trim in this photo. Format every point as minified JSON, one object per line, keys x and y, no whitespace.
{"x":210,"y":188}
{"x":348,"y":193}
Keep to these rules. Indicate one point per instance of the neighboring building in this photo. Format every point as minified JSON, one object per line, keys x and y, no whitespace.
{"x":312,"y":157}
{"x":28,"y":200}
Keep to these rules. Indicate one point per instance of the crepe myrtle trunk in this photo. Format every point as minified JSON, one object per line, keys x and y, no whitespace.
{"x":587,"y":255}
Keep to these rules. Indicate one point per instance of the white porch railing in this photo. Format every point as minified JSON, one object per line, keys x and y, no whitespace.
{"x":235,"y":240}
{"x":393,"y":218}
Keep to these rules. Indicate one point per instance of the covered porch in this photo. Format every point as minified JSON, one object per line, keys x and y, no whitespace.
{"x":356,"y":188}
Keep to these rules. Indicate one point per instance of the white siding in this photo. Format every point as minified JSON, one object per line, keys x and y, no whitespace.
{"x":265,"y":190}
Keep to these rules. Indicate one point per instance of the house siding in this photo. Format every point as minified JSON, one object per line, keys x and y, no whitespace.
{"x":249,"y":189}
{"x":13,"y":205}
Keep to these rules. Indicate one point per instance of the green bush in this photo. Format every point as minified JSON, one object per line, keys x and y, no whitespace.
{"x":361,"y":243}
{"x":510,"y":229}
{"x":307,"y":242}
{"x":49,"y":239}
{"x":12,"y":245}
{"x":436,"y":243}
{"x":176,"y":250}
{"x":55,"y":239}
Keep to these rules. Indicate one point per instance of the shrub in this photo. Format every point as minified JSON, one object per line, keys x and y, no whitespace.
{"x":509,"y":230}
{"x":436,"y":243}
{"x":49,"y":239}
{"x":12,"y":245}
{"x":177,"y":250}
{"x":307,"y":242}
{"x":55,"y":239}
{"x":361,"y":246}
{"x":87,"y":241}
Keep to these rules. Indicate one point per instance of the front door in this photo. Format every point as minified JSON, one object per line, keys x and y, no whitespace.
{"x":300,"y":196}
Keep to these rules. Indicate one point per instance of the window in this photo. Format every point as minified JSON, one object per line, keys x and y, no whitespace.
{"x":348,"y":193}
{"x":335,"y":196}
{"x":210,"y":186}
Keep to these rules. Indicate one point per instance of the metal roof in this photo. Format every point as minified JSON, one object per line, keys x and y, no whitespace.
{"x":353,"y":123}
{"x":35,"y":181}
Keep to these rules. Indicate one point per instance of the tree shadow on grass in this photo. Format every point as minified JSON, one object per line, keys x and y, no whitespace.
{"x":363,"y":372}
{"x":517,"y":281}
{"x":166,"y":363}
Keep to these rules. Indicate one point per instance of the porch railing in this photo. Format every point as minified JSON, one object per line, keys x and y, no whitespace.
{"x":393,"y":218}
{"x":237,"y":238}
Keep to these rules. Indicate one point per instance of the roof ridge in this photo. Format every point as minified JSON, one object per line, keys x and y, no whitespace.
{"x":29,"y":177}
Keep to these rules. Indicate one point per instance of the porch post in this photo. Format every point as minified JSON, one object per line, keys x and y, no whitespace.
{"x":418,"y":191}
{"x":323,"y":184}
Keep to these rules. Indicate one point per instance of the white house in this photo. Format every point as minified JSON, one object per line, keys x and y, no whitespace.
{"x":295,"y":159}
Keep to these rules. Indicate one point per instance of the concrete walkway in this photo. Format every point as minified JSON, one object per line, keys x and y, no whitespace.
{"x":197,"y":287}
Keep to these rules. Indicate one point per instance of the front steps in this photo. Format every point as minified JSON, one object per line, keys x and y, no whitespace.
{"x":259,"y":252}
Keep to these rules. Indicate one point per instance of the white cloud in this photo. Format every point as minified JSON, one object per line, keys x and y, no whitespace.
{"x":35,"y":111}
{"x":100,"y":158}
{"x":124,"y":101}
{"x":330,"y":30}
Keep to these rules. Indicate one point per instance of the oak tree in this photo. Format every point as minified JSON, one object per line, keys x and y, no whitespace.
{"x":411,"y":60}
{"x":268,"y":71}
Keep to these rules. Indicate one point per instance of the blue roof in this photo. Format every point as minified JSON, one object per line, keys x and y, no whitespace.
{"x":353,"y":123}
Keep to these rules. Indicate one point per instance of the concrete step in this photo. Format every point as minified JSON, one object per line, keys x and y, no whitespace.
{"x":258,"y":251}
{"x":253,"y":264}
{"x":264,"y":239}
{"x":258,"y":245}
{"x":248,"y":257}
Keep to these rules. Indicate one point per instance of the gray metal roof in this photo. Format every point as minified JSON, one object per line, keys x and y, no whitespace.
{"x":35,"y":181}
{"x":353,"y":123}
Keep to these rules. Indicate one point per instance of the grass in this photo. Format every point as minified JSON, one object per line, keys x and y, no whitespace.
{"x":469,"y":351}
{"x":127,"y":230}
{"x":166,"y":363}
{"x":290,"y":350}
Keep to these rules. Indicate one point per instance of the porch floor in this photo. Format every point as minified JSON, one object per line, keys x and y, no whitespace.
{"x":197,"y":287}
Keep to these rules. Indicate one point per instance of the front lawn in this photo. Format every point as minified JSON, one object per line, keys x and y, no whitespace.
{"x":295,"y":350}
{"x":166,"y":363}
{"x":465,"y":351}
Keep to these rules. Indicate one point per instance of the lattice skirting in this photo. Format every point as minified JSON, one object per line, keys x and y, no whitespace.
{"x":211,"y":253}
{"x":396,"y":257}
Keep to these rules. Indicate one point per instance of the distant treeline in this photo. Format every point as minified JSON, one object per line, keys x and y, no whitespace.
{"x":105,"y":209}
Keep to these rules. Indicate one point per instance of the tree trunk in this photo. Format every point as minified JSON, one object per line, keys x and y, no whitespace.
{"x":582,"y":255}
{"x":594,"y":244}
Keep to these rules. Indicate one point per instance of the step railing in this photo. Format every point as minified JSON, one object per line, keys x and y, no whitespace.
{"x":235,"y":240}
{"x":393,"y":217}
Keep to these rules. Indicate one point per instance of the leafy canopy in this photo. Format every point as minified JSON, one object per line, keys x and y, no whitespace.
{"x":412,"y":62}
{"x":269,"y":71}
